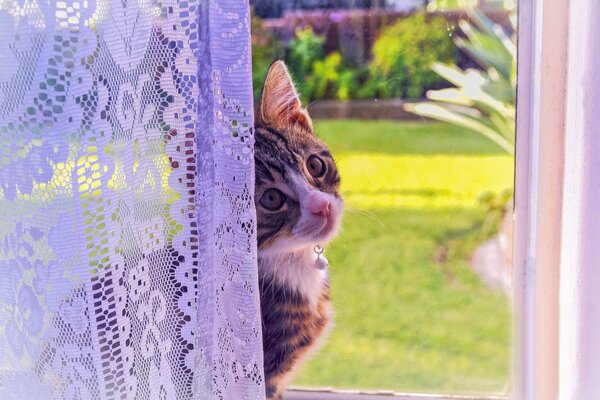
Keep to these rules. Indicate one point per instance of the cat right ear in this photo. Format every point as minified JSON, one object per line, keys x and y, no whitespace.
{"x":280,"y":105}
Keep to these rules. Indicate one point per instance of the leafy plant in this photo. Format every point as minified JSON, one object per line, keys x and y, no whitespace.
{"x":330,"y":78}
{"x":265,"y":48}
{"x":303,"y":52}
{"x":496,"y":205}
{"x":403,"y":54}
{"x":319,"y":76}
{"x":347,"y":84}
{"x":324,"y":74}
{"x":483,"y":101}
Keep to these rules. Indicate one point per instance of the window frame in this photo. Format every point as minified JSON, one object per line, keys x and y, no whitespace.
{"x":539,"y":172}
{"x":331,"y":394}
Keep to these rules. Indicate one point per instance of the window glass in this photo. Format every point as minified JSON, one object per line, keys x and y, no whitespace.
{"x":415,"y":100}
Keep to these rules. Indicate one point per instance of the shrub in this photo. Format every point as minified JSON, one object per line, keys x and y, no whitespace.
{"x":403,"y":54}
{"x":332,"y":79}
{"x":318,"y":76}
{"x":325,"y":74}
{"x":265,"y":49}
{"x":483,"y":101}
{"x":303,"y":52}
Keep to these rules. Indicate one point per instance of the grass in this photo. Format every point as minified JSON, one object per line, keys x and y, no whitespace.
{"x":410,"y":313}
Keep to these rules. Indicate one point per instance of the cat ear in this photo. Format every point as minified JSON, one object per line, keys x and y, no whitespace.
{"x":280,"y":105}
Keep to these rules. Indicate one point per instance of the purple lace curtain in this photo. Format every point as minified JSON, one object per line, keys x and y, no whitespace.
{"x":127,"y":224}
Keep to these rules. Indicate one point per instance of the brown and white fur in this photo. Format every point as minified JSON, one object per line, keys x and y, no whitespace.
{"x":298,"y":207}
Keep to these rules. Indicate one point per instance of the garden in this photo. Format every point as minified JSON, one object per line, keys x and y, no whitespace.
{"x":422,"y":194}
{"x":410,"y":313}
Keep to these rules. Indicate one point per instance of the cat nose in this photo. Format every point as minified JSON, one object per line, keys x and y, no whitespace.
{"x":319,"y":206}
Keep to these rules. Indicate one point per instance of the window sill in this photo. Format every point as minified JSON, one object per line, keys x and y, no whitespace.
{"x":329,"y":394}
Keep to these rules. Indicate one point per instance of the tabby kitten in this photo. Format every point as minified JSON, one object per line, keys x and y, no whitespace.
{"x":298,"y":210}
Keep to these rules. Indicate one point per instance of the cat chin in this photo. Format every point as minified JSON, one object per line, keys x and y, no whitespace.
{"x":288,"y":245}
{"x":323,"y":235}
{"x":295,"y":243}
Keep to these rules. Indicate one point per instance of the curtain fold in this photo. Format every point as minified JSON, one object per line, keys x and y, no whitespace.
{"x":127,"y":222}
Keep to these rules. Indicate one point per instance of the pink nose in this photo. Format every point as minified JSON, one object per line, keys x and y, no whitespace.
{"x":319,"y":206}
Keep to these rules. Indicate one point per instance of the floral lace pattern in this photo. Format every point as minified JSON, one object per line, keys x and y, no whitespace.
{"x":127,"y":223}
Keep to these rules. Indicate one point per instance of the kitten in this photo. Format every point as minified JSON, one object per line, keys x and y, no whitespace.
{"x":298,"y":210}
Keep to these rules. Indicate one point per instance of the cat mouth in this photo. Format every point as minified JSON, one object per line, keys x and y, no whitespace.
{"x":327,"y":230}
{"x":329,"y":226}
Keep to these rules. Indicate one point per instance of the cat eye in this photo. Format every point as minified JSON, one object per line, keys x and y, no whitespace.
{"x":272,"y":199}
{"x":316,"y":166}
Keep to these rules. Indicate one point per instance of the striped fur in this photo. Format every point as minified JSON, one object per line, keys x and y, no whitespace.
{"x":291,"y":331}
{"x":294,"y":293}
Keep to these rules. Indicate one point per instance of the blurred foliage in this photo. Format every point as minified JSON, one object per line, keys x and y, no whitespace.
{"x":400,"y":66}
{"x":265,"y":49}
{"x":496,"y":205}
{"x":495,"y":202}
{"x":324,"y":74}
{"x":320,"y":76}
{"x":435,"y":5}
{"x":303,"y":52}
{"x":403,"y":54}
{"x":438,"y":5}
{"x":482,"y":100}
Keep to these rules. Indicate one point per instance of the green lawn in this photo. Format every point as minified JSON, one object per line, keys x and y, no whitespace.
{"x":410,"y":315}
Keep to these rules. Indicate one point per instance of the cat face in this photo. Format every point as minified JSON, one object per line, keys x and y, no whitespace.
{"x":297,"y":183}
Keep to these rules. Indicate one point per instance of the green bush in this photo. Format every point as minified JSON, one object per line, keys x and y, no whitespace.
{"x":482,"y":100}
{"x":403,"y":54}
{"x":319,"y":76}
{"x":332,"y":79}
{"x":303,"y":52}
{"x":324,"y":74}
{"x":400,"y":65}
{"x":265,"y":49}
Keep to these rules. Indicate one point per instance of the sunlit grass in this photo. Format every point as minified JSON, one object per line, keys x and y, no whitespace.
{"x":410,"y":313}
{"x":374,"y":180}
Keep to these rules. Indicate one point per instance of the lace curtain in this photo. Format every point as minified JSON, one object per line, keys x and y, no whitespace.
{"x":127,"y":226}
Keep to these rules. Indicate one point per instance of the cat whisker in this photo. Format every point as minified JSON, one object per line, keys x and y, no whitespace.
{"x":312,"y":102}
{"x":366,"y":214}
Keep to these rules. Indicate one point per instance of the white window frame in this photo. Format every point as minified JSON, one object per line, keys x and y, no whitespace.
{"x":557,"y":202}
{"x":541,"y":88}
{"x":324,"y":394}
{"x":579,"y":353}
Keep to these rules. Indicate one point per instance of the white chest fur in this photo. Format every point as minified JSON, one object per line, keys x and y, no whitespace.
{"x":303,"y":271}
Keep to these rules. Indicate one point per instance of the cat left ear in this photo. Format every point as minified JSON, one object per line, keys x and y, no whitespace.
{"x":280,"y":105}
